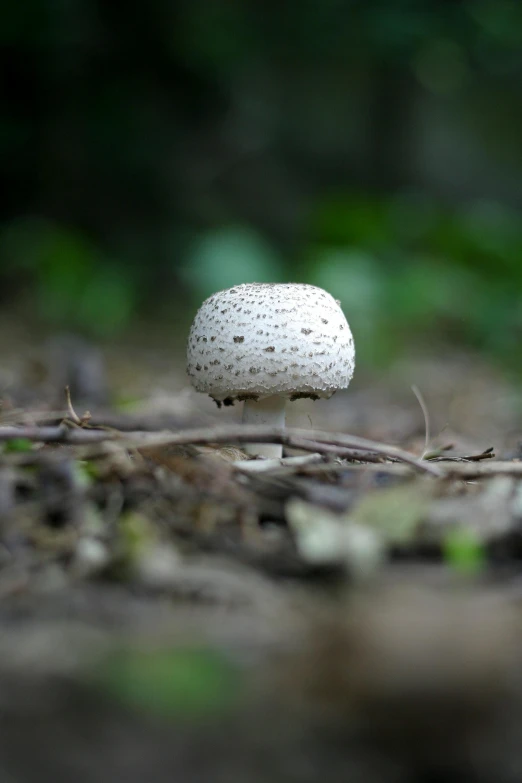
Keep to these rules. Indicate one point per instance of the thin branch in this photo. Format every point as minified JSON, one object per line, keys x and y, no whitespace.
{"x":72,"y":413}
{"x":452,"y":470}
{"x":308,"y":440}
{"x":306,"y":444}
{"x":425,"y":412}
{"x":488,"y":453}
{"x":60,"y":433}
{"x":81,"y":421}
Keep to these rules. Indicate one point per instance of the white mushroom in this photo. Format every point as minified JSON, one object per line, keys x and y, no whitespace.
{"x":267,"y":343}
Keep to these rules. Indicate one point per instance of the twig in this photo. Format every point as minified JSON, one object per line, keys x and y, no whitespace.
{"x":484,"y":455}
{"x":308,"y":439}
{"x":426,"y":414}
{"x":399,"y":469}
{"x":452,"y":470}
{"x":306,"y":444}
{"x":59,"y":433}
{"x":80,"y":421}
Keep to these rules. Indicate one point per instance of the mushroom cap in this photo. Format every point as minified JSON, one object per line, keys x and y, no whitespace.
{"x":260,"y":339}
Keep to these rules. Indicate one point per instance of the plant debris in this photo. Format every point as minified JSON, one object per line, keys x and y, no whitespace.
{"x":156,"y":575}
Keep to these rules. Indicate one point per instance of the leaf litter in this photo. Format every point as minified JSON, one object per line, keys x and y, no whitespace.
{"x":151,"y":574}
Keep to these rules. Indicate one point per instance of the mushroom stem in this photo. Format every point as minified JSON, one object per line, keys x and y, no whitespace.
{"x":271,"y":411}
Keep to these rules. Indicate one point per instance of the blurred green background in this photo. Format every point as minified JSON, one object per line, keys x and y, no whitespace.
{"x":154,"y":154}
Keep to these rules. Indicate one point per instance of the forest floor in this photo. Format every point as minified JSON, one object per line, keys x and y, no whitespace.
{"x":174,"y":610}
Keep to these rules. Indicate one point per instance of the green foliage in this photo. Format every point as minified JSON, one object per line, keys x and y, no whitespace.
{"x":17,"y":445}
{"x":405,"y":271}
{"x":155,"y":151}
{"x":75,"y":284}
{"x":187,"y":684}
{"x":226,"y":257}
{"x":216,"y":35}
{"x":412,"y":270}
{"x":85,"y":472}
{"x":463,"y":551}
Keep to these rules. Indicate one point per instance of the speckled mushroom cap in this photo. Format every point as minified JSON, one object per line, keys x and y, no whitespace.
{"x":260,"y":339}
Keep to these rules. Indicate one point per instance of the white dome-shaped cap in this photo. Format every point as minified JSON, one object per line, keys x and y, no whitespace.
{"x":260,"y":339}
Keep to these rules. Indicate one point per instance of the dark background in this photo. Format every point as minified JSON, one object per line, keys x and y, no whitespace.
{"x":155,"y":152}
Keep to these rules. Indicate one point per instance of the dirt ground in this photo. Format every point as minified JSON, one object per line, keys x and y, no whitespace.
{"x":171,"y":610}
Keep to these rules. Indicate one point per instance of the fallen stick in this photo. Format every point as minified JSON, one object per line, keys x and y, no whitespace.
{"x":58,"y":433}
{"x":306,"y":440}
{"x":452,"y":470}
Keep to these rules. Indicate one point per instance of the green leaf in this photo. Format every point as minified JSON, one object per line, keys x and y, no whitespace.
{"x":464,"y":551}
{"x":106,"y":302}
{"x":190,"y":684}
{"x":18,"y":445}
